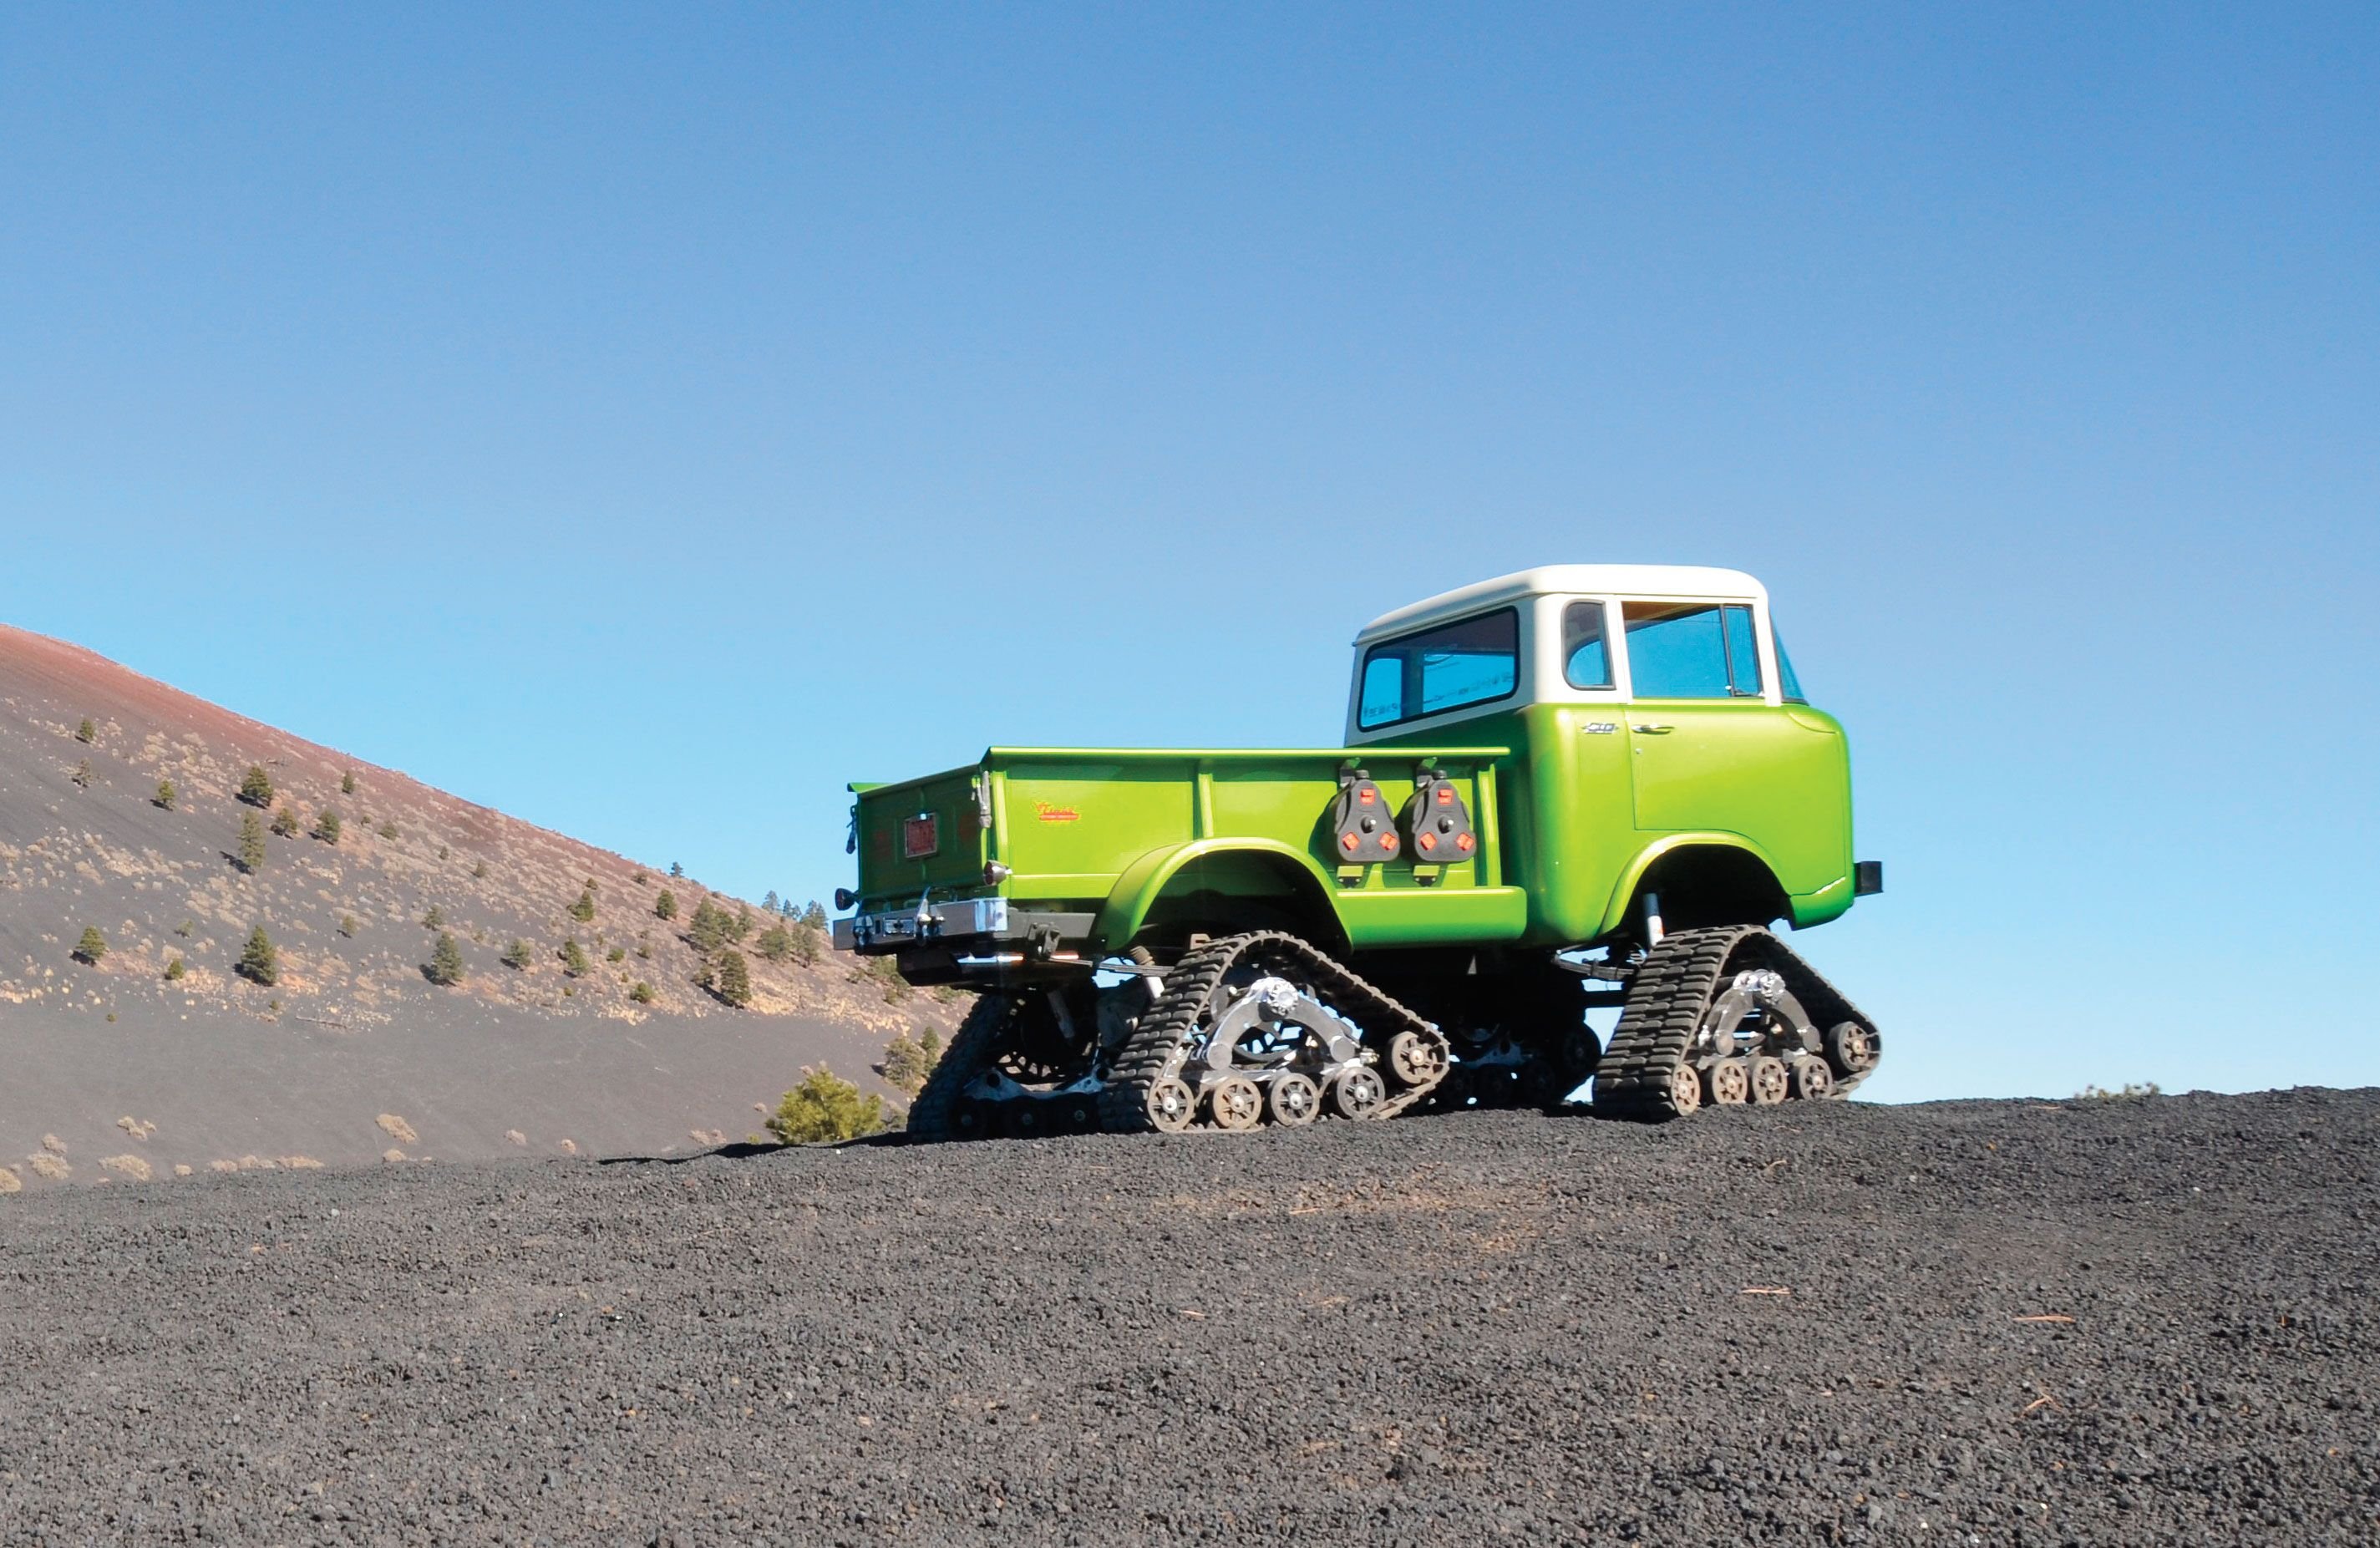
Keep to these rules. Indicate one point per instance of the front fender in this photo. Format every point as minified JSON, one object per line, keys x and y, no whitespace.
{"x":1615,"y":911}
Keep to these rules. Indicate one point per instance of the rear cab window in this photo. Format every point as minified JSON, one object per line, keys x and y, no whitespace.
{"x":1433,"y":671}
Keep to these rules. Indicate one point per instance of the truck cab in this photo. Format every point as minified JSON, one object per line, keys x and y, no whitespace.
{"x":1661,"y":741}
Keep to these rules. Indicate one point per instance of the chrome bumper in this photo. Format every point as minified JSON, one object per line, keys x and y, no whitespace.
{"x":973,"y":916}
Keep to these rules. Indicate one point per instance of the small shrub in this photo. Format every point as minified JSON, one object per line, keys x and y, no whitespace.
{"x":167,"y":795}
{"x":885,"y":973}
{"x":285,"y":822}
{"x":435,"y":919}
{"x":732,"y":979}
{"x":445,"y":966}
{"x":388,"y":830}
{"x":810,"y":944}
{"x":574,"y":958}
{"x":665,"y":906}
{"x":776,"y":944}
{"x":252,"y":842}
{"x":326,"y":826}
{"x":644,"y":879}
{"x":174,"y":968}
{"x":825,"y":1109}
{"x":584,"y":909}
{"x":2130,"y":1092}
{"x":92,"y":947}
{"x":615,"y":954}
{"x":644,"y":951}
{"x":256,"y":787}
{"x":347,"y":783}
{"x":86,"y":732}
{"x":81,"y":776}
{"x":908,"y":1061}
{"x":259,"y":963}
{"x":347,"y":926}
{"x":480,"y":868}
{"x":185,"y":928}
{"x":442,"y":851}
{"x":517,"y":954}
{"x":642,"y":993}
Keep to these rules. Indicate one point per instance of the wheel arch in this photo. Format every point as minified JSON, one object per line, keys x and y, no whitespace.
{"x":1248,"y":882}
{"x":1702,"y":878}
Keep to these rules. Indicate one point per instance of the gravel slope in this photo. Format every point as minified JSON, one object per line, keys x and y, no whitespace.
{"x":1445,"y":1330}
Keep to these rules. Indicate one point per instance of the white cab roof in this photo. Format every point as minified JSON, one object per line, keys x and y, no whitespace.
{"x":1625,"y":580}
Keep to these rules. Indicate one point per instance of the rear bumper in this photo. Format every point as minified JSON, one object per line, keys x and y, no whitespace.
{"x":984,"y":923}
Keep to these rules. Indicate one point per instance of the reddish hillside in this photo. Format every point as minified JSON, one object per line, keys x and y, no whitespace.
{"x":86,"y":843}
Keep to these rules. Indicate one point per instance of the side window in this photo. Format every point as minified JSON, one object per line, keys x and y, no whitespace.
{"x":1586,"y":656}
{"x":1691,"y":650}
{"x":1453,"y":666}
{"x":1742,"y":655}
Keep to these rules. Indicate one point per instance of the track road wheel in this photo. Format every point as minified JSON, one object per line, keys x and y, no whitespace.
{"x":1417,"y":1060}
{"x":1171,"y":1107}
{"x":1235,"y":1103}
{"x":970,"y":1120}
{"x":1811,"y":1079}
{"x":1769,"y":1082}
{"x":1850,"y":1048}
{"x":1685,"y":1090}
{"x":1356,"y":1092}
{"x":1293,"y":1101}
{"x":1726,"y":1083}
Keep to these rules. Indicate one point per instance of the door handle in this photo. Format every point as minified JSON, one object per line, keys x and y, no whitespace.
{"x":1653,"y":730}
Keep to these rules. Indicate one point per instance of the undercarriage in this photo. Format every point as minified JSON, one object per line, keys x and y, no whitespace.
{"x":1263,"y":1029}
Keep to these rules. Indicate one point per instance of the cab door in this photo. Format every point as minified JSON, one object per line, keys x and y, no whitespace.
{"x":1710,"y":754}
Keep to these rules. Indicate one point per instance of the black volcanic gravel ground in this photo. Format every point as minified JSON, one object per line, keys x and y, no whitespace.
{"x":1443,"y":1330}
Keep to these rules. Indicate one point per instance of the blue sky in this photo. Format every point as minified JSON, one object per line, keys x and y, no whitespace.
{"x":646,"y":420}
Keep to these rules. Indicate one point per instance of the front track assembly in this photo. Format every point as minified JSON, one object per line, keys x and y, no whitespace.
{"x":1729,"y":1016}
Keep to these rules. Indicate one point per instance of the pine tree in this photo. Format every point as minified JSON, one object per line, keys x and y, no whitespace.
{"x":165,"y":793}
{"x":446,"y":960}
{"x":86,"y":733}
{"x":732,"y":981}
{"x":584,"y":909}
{"x":347,"y":783}
{"x":677,"y":870}
{"x":665,"y":906}
{"x":92,"y":947}
{"x":252,"y":842}
{"x":435,"y":919}
{"x":814,"y":916}
{"x":517,"y":954}
{"x":708,"y":931}
{"x":260,"y":963}
{"x":574,"y":958}
{"x":741,"y":925}
{"x":776,"y":943}
{"x":285,"y":820}
{"x":326,"y":826}
{"x":256,"y":787}
{"x":769,"y":904}
{"x":174,"y":968}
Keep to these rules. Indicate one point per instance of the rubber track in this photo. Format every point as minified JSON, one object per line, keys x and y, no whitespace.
{"x":1671,"y":994}
{"x":1161,"y":1040}
{"x":977,"y":1041}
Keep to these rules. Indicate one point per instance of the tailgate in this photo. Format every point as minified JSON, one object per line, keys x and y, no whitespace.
{"x":922,"y":834}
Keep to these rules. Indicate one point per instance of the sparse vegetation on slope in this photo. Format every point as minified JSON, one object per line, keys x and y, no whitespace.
{"x":91,"y":947}
{"x":259,"y":961}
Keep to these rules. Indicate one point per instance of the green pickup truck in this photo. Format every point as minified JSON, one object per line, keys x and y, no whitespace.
{"x":1578,"y":785}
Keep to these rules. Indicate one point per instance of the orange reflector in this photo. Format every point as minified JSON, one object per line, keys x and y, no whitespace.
{"x":1427,"y":841}
{"x":1367,"y":796}
{"x":1446,"y":794}
{"x":1462,"y":842}
{"x":1389,"y":843}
